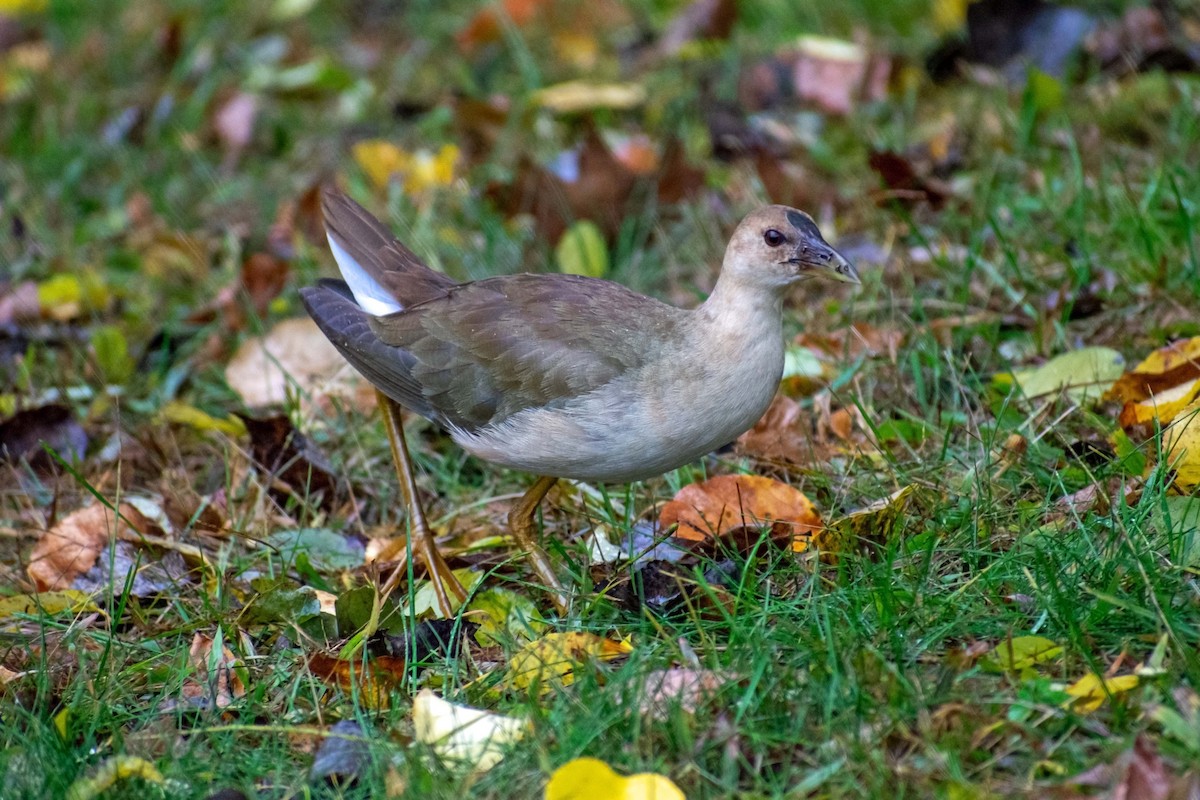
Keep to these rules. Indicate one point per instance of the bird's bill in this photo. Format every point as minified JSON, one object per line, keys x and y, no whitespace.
{"x":816,"y":257}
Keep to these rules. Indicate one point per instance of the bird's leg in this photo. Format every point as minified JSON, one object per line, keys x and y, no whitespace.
{"x":520,"y":522}
{"x":420,"y":536}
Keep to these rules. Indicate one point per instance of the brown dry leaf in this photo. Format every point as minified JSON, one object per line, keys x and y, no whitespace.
{"x":597,"y":189}
{"x":553,"y":659}
{"x":218,"y":679}
{"x":24,"y":435}
{"x":699,"y":20}
{"x":904,"y":181}
{"x":487,"y":26}
{"x":683,"y":688}
{"x":789,"y":434}
{"x":1166,"y":368}
{"x":72,"y":546}
{"x":836,"y":75}
{"x":594,"y":184}
{"x":714,"y":508}
{"x":858,"y":340}
{"x":290,"y":459}
{"x":294,"y":355}
{"x":372,"y":682}
{"x":19,"y":303}
{"x":1137,"y":774}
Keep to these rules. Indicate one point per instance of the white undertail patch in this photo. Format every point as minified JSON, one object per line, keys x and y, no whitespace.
{"x":368,"y":293}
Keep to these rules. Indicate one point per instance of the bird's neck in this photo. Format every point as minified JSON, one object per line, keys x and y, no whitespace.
{"x":736,"y":308}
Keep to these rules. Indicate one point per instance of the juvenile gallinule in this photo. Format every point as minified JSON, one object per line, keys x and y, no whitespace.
{"x":558,"y":375}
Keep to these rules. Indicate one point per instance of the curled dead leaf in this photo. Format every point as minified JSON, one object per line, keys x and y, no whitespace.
{"x":720,"y":505}
{"x":295,"y":356}
{"x":72,"y":546}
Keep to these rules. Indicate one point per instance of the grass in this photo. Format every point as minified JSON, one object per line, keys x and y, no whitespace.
{"x":856,"y":678}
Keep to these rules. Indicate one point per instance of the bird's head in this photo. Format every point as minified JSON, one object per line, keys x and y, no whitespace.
{"x":778,"y":246}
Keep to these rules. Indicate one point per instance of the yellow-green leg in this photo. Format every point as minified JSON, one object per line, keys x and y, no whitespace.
{"x":421,"y":537}
{"x":520,"y":522}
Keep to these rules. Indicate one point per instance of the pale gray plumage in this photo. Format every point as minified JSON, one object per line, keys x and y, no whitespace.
{"x":567,"y":376}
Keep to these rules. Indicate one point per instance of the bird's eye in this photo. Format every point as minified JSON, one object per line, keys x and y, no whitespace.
{"x":774,"y":238}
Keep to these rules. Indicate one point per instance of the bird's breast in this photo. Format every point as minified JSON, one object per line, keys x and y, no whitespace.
{"x":665,"y":415}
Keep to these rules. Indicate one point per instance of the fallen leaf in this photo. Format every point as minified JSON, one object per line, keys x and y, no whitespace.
{"x":1020,"y":654}
{"x":1166,"y":368}
{"x":19,"y":303}
{"x":698,"y":20}
{"x":72,"y":546}
{"x":469,"y":738}
{"x":904,"y":181}
{"x":588,"y":778}
{"x":582,"y":251}
{"x":343,"y":755}
{"x":326,"y":550}
{"x":112,"y":771}
{"x":1162,"y":406}
{"x":293,"y":465}
{"x":663,"y":691}
{"x":1089,"y":692}
{"x":834,"y":75}
{"x":295,"y":358}
{"x":488,"y":24}
{"x":218,"y":678}
{"x":420,"y":170}
{"x":711,"y":509}
{"x":25,"y":435}
{"x":877,"y":522}
{"x":553,"y":659}
{"x":371,"y":681}
{"x":234,"y":122}
{"x":579,"y":95}
{"x":1182,"y":446}
{"x":1079,"y":374}
{"x":47,"y":603}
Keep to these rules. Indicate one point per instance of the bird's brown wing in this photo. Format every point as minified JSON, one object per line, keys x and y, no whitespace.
{"x":348,"y":327}
{"x":368,"y":241}
{"x":486,"y":350}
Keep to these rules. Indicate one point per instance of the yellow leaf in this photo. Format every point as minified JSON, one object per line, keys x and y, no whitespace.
{"x":1089,"y":692}
{"x":470,"y":737}
{"x":949,"y":15}
{"x":112,"y":771}
{"x":554,"y":657}
{"x":380,"y":160}
{"x":582,"y":251}
{"x":14,"y":8}
{"x":573,"y":96}
{"x":183,"y":414}
{"x":48,"y":603}
{"x":421,"y":170}
{"x":1163,"y":406}
{"x":61,"y":297}
{"x":1021,"y":653}
{"x":427,"y":170}
{"x":592,"y":779}
{"x":1183,"y":446}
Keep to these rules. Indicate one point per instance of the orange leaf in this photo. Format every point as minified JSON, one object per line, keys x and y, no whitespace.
{"x":71,"y":547}
{"x":708,"y":510}
{"x":1166,"y":367}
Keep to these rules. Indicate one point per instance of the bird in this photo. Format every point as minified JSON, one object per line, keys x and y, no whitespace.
{"x":557,"y":375}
